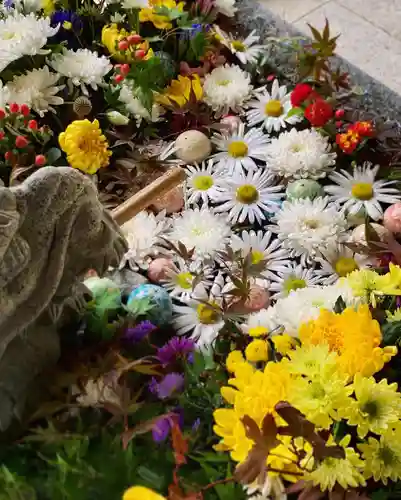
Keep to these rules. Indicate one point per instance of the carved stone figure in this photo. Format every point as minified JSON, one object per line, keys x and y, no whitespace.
{"x":53,"y":229}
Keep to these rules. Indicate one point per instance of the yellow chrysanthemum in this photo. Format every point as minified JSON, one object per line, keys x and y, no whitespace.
{"x":159,"y":21}
{"x":85,"y":146}
{"x":283,"y":343}
{"x":257,"y":350}
{"x":182,"y":91}
{"x":233,"y":359}
{"x":369,"y":285}
{"x":141,"y":493}
{"x":347,"y":472}
{"x":354,"y":335}
{"x":376,"y":407}
{"x":383,"y":456}
{"x":312,"y":361}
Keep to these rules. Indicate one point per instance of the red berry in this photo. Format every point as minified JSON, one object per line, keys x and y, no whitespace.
{"x":40,"y":160}
{"x":340,"y":113}
{"x":9,"y":155}
{"x":134,"y":39}
{"x":2,"y":114}
{"x":300,"y":93}
{"x":140,"y":54}
{"x":318,"y":113}
{"x":25,"y":109}
{"x":14,"y":108}
{"x":339,"y":123}
{"x":270,"y":78}
{"x":2,"y":135}
{"x":123,"y":45}
{"x":118,"y":78}
{"x":33,"y":124}
{"x":125,"y":69}
{"x":21,"y":141}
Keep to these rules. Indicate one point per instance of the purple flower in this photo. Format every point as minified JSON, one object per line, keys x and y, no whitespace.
{"x":8,"y":4}
{"x":139,"y":331}
{"x":175,"y":348}
{"x":196,"y":424}
{"x":171,"y":383}
{"x":161,"y":429}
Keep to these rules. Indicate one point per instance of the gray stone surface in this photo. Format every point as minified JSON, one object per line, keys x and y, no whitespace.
{"x":53,"y":229}
{"x":377,"y":98}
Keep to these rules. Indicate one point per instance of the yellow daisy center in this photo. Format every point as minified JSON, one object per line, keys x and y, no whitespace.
{"x":238,"y":149}
{"x":345,"y":266}
{"x":311,"y":223}
{"x":203,"y":182}
{"x":386,"y":455}
{"x":274,"y":108}
{"x":223,"y":83}
{"x":257,"y":256}
{"x":207,"y":314}
{"x":296,"y":148}
{"x":247,"y":194}
{"x":184,"y":280}
{"x":238,"y":46}
{"x":294,"y":284}
{"x":362,"y":191}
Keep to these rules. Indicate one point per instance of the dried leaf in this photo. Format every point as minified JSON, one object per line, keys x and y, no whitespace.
{"x":180,"y":445}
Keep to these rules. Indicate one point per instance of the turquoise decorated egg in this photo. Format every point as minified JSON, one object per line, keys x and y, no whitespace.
{"x":304,"y":188}
{"x":154,"y":301}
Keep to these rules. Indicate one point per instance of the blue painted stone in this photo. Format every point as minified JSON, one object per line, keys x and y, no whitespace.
{"x":161,"y":312}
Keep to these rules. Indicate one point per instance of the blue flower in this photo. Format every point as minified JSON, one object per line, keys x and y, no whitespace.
{"x":70,"y":24}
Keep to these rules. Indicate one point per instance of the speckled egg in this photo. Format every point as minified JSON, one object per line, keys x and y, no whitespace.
{"x":259,"y":298}
{"x":392,"y":218}
{"x":193,"y":146}
{"x":161,"y":312}
{"x":304,"y":188}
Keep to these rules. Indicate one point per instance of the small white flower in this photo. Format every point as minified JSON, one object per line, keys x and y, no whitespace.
{"x":37,"y":89}
{"x":292,"y":278}
{"x":360,"y":190}
{"x":239,"y":150}
{"x":272,"y":489}
{"x":143,"y":234}
{"x":180,"y":278}
{"x":243,"y":48}
{"x":134,"y":4}
{"x":227,"y":87}
{"x":248,"y":197}
{"x":116,"y":118}
{"x":202,"y":182}
{"x":82,"y":68}
{"x":201,"y":229}
{"x":301,"y":154}
{"x":134,"y":106}
{"x":225,"y":7}
{"x":271,"y":109}
{"x":309,"y":227}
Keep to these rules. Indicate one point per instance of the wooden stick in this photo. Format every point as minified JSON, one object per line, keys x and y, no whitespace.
{"x":146,"y":196}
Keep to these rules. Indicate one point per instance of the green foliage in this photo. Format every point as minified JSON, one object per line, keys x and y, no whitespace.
{"x":391,"y":332}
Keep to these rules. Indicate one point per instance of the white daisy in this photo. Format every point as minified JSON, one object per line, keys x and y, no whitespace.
{"x":271,"y":109}
{"x":22,"y":35}
{"x":292,"y":278}
{"x":340,"y":261}
{"x":203,"y":317}
{"x":248,"y":197}
{"x":244,"y":48}
{"x":201,"y":229}
{"x":143,"y":233}
{"x":134,"y":106}
{"x":301,"y":154}
{"x":38,"y":89}
{"x":262,"y":247}
{"x":225,"y":7}
{"x":82,"y":68}
{"x":239,"y":150}
{"x":180,"y":278}
{"x":359,"y":190}
{"x":227,"y":88}
{"x":202,"y":182}
{"x":309,"y":227}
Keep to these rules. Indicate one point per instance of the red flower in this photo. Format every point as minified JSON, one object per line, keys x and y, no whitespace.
{"x":300,"y":93}
{"x":21,"y":141}
{"x":348,"y":141}
{"x":318,"y":113}
{"x":118,"y":78}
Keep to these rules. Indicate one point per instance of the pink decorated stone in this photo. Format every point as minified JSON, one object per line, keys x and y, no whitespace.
{"x":392,"y":218}
{"x":173,"y":201}
{"x":258,"y":299}
{"x":231,"y":122}
{"x":158,"y":268}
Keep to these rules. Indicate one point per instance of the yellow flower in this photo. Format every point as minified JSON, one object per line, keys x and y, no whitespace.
{"x":85,"y":145}
{"x":347,"y":472}
{"x":376,"y":407}
{"x":354,"y":335}
{"x":369,"y":285}
{"x":159,"y":21}
{"x":48,"y":7}
{"x":141,"y":493}
{"x":283,"y":343}
{"x":182,"y":91}
{"x":383,"y":456}
{"x":233,"y":359}
{"x":257,"y":350}
{"x":311,"y":360}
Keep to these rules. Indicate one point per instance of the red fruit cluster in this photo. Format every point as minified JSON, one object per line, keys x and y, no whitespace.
{"x":131,"y":40}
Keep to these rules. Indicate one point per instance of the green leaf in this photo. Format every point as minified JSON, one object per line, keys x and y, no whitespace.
{"x":198,"y":365}
{"x":52,"y":155}
{"x":152,"y":478}
{"x":295,"y":112}
{"x":340,"y":305}
{"x":391,"y":333}
{"x":171,"y":14}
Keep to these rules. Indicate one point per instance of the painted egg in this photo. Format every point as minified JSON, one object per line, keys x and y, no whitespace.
{"x":392,"y":218}
{"x":304,"y":188}
{"x":161,"y":310}
{"x":193,"y":146}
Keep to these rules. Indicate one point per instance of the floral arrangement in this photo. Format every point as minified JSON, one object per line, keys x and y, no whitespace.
{"x":247,"y":346}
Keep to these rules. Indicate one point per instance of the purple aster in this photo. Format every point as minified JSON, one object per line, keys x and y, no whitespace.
{"x":196,"y":424}
{"x":139,"y":331}
{"x":175,"y":348}
{"x":171,"y":383}
{"x":8,"y":4}
{"x":161,"y":429}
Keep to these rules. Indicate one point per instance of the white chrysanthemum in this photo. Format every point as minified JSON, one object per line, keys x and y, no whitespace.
{"x":227,"y":88}
{"x":225,"y":7}
{"x":22,"y":35}
{"x":135,"y":107}
{"x":271,"y":109}
{"x":292,"y":278}
{"x":360,"y":190}
{"x":82,"y":68}
{"x":202,"y":182}
{"x":179,"y":279}
{"x":134,"y":4}
{"x":301,"y":154}
{"x":143,"y":233}
{"x":28,"y":6}
{"x":248,"y":197}
{"x":309,"y":227}
{"x":201,"y":229}
{"x":38,"y":89}
{"x":262,"y":247}
{"x":239,"y":150}
{"x":272,"y":489}
{"x":247,"y":50}
{"x":340,"y":261}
